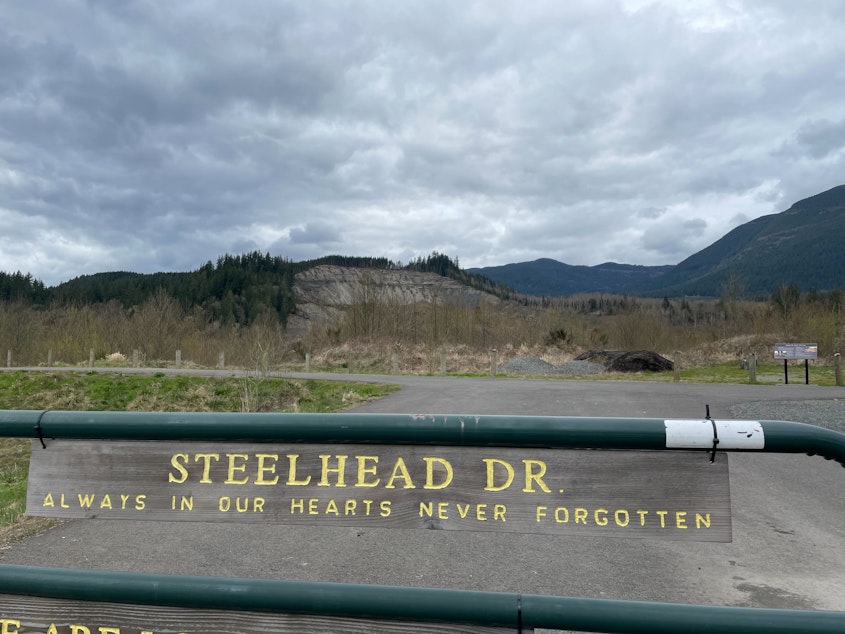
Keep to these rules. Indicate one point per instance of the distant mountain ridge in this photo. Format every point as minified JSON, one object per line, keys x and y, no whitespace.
{"x":550,"y":278}
{"x":803,"y":245}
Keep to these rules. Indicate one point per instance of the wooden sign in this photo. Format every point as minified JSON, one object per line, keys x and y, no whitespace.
{"x":644,"y":494}
{"x":36,"y":615}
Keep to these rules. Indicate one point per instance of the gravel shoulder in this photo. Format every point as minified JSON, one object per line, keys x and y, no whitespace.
{"x":824,"y":413}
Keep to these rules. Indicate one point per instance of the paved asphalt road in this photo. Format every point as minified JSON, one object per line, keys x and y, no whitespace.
{"x":788,"y":546}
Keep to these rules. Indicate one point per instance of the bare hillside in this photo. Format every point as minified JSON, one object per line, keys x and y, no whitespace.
{"x":324,"y":292}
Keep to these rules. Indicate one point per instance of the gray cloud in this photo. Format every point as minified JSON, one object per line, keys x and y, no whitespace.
{"x":821,"y":138}
{"x":155,"y":137}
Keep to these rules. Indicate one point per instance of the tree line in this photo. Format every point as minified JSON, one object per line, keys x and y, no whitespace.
{"x":236,"y":289}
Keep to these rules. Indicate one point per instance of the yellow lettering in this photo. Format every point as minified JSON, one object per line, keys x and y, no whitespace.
{"x":349,"y":507}
{"x":292,"y":481}
{"x":105,"y":503}
{"x":242,"y":504}
{"x":642,"y":515}
{"x":52,"y":629}
{"x":442,"y":508}
{"x":481,"y":512}
{"x":263,"y":468}
{"x":702,"y":520}
{"x":236,"y":468}
{"x":9,"y":626}
{"x":123,"y":500}
{"x":186,"y":503}
{"x":427,"y":508}
{"x":491,"y":469}
{"x":79,"y":629}
{"x":580,"y":515}
{"x":385,"y":509}
{"x":562,"y":515}
{"x":312,"y":506}
{"x":206,"y":459}
{"x":662,"y":515}
{"x":364,"y":470}
{"x":444,"y":465}
{"x":532,"y":477}
{"x":297,"y":505}
{"x":499,"y":511}
{"x":600,"y":517}
{"x":48,"y":500}
{"x":331,"y":507}
{"x":176,"y":461}
{"x":541,"y":512}
{"x":462,"y":511}
{"x":86,"y":501}
{"x":141,"y":502}
{"x":109,"y":630}
{"x":400,"y":470}
{"x":621,"y":517}
{"x":326,"y":470}
{"x":681,"y":519}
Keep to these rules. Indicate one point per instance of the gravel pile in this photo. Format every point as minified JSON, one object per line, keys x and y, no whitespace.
{"x":580,"y":367}
{"x":532,"y":365}
{"x":830,"y":414}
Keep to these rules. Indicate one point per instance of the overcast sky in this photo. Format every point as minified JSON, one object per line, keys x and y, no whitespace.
{"x":156,"y":135}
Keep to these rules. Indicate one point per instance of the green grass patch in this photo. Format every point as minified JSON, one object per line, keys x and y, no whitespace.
{"x":136,"y":392}
{"x":767,"y":374}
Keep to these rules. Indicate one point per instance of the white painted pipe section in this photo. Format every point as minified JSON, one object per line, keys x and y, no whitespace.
{"x":699,"y":434}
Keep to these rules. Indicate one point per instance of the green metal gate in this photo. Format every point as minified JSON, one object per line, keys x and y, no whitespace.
{"x":395,"y":604}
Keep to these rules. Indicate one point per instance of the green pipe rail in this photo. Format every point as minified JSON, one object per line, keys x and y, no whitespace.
{"x":391,"y":603}
{"x":556,"y":432}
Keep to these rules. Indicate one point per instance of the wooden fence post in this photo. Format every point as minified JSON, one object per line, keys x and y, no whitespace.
{"x":178,"y":359}
{"x":221,"y":360}
{"x":394,"y":363}
{"x":676,"y":367}
{"x":8,"y":358}
{"x":136,"y":358}
{"x":493,"y":362}
{"x":49,"y":357}
{"x":837,"y":360}
{"x":91,"y":357}
{"x":307,"y":362}
{"x":752,"y":368}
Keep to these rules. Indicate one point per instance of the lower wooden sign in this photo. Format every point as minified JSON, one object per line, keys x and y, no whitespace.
{"x":31,"y":615}
{"x":645,"y":494}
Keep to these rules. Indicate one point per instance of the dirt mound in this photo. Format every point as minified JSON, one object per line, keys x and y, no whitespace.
{"x":323,"y":293}
{"x":628,"y":361}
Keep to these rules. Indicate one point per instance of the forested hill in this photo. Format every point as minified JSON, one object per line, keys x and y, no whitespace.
{"x":801,"y":246}
{"x":235,"y":289}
